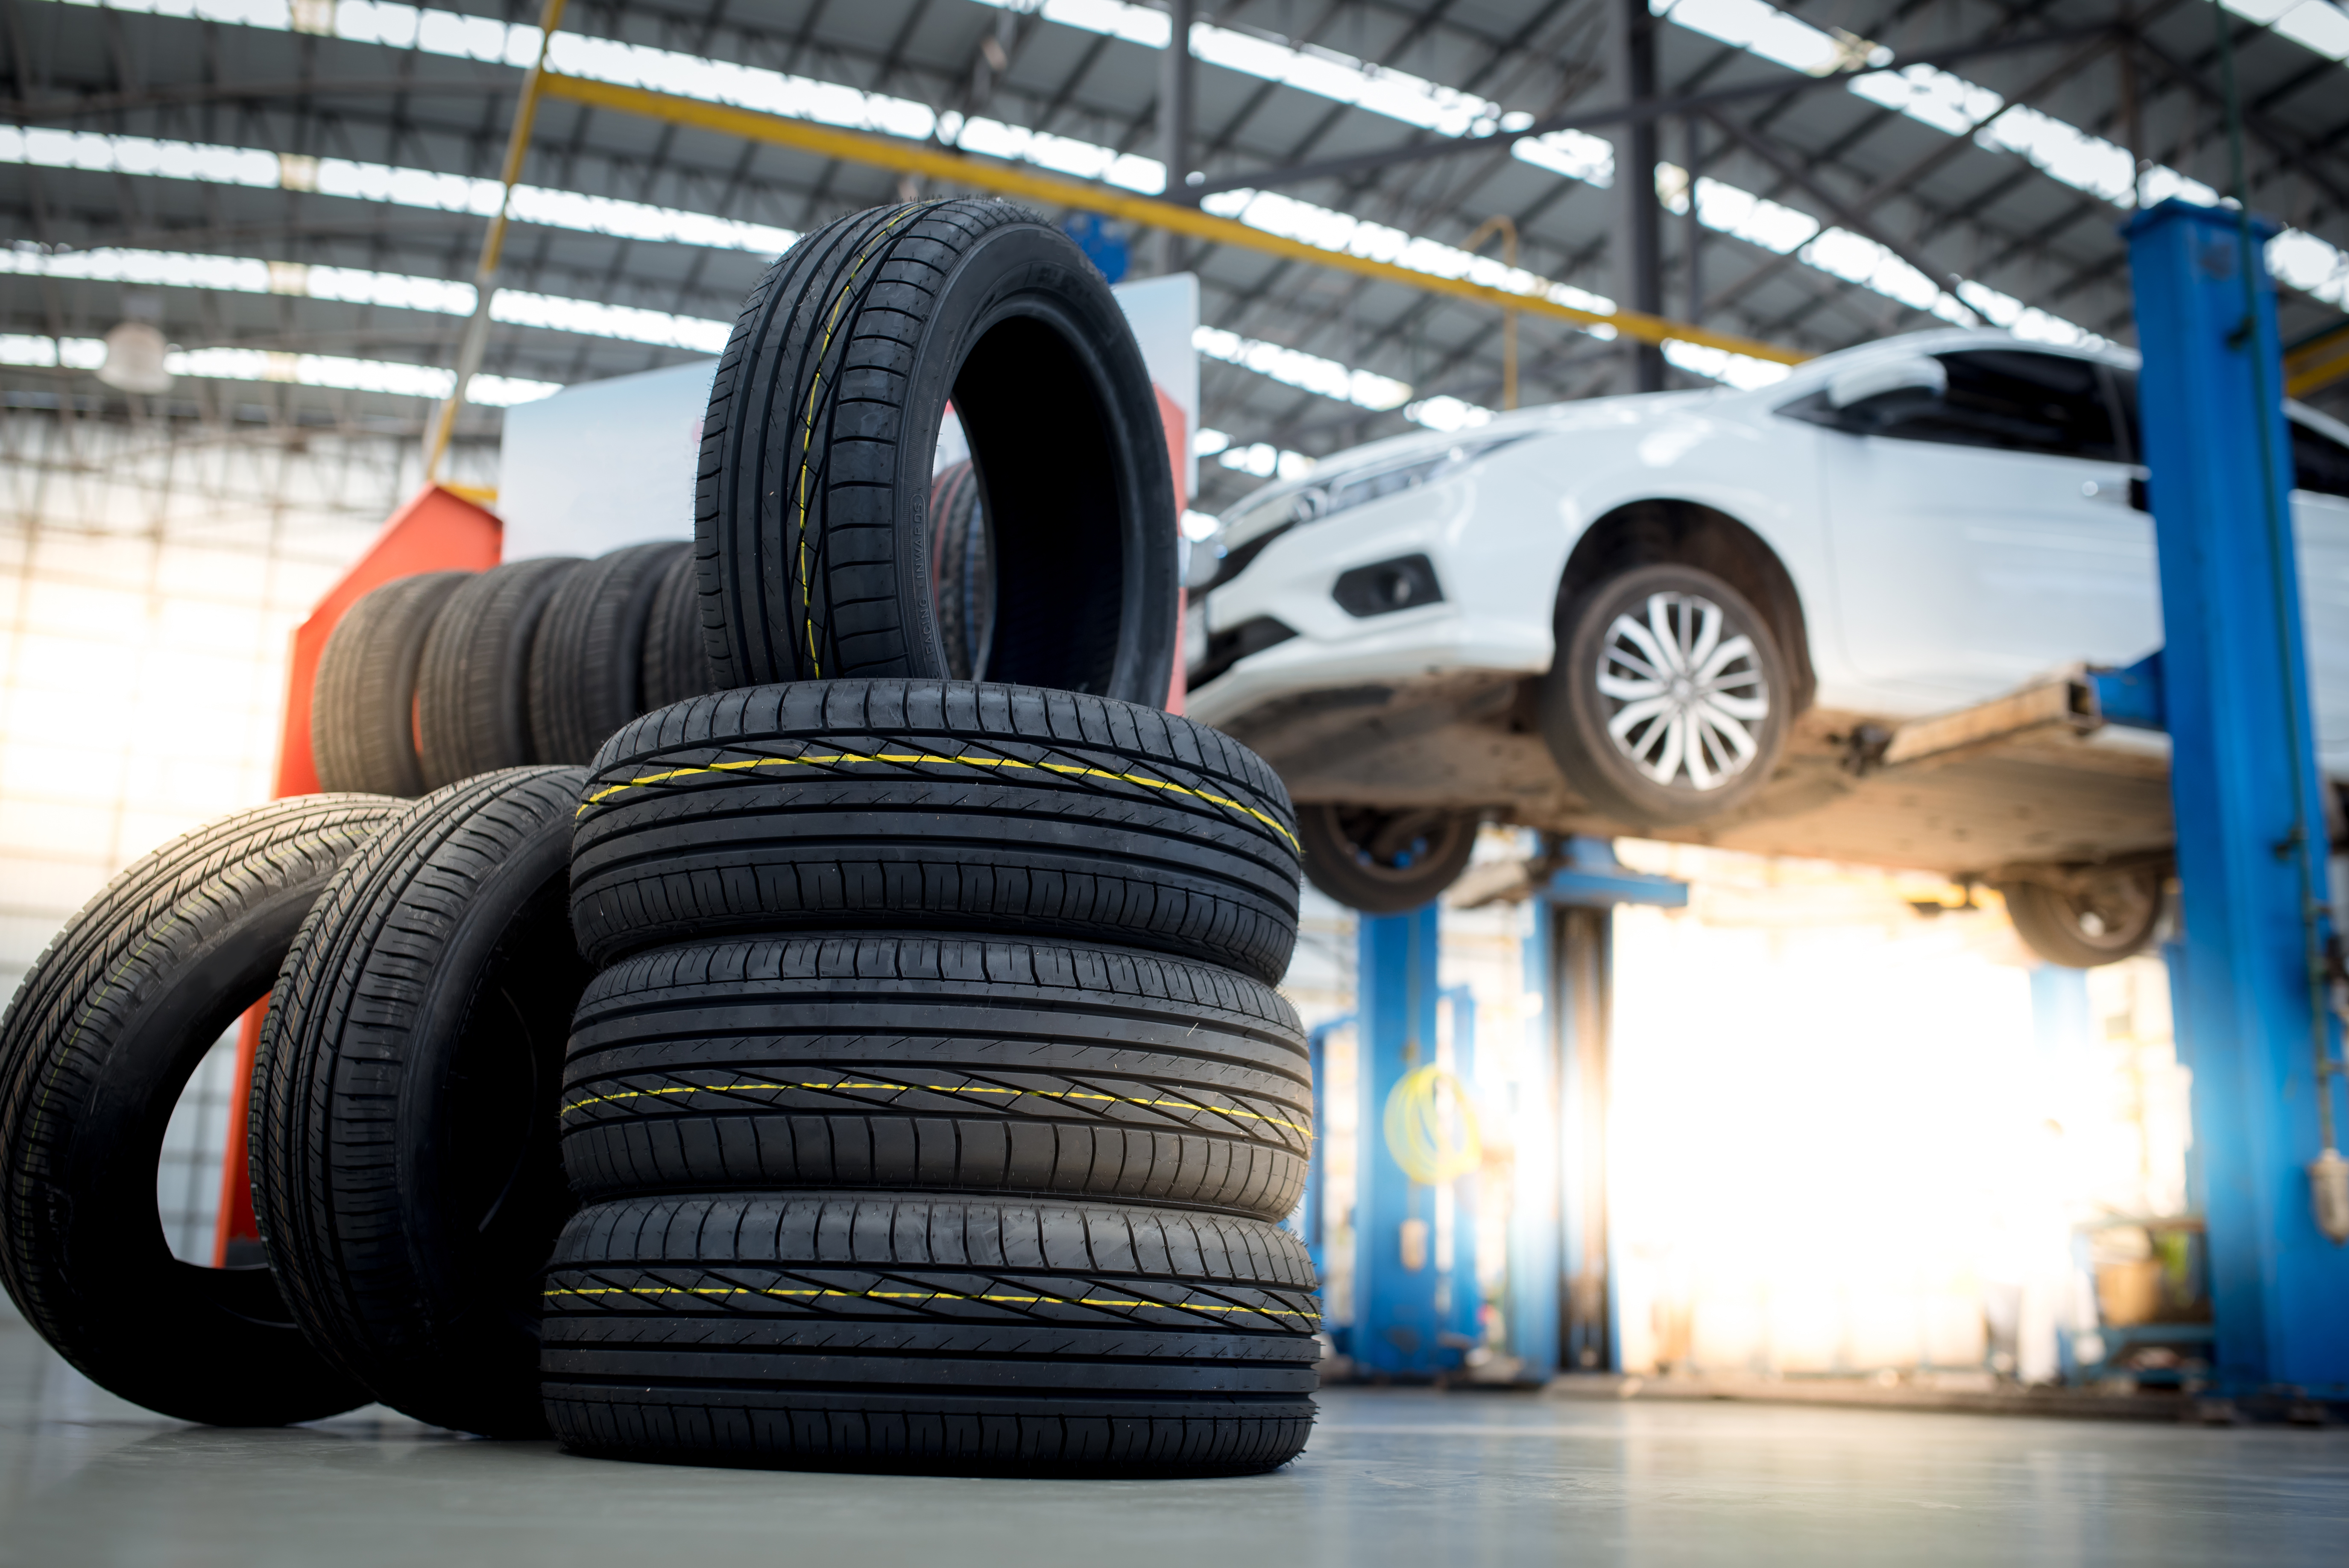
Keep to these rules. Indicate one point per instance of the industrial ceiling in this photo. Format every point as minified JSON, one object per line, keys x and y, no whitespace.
{"x":296,"y":193}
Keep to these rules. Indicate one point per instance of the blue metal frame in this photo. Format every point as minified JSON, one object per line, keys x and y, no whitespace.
{"x":2253,"y":1024}
{"x":1397,"y":1328}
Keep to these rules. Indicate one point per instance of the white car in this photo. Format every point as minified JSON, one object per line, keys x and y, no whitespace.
{"x":1701,"y":615}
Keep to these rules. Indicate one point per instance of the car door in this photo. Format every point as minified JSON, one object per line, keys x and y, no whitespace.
{"x":1985,"y":535}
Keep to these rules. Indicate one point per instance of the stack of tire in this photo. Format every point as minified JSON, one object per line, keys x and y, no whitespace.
{"x":439,"y":677}
{"x":932,"y":1104}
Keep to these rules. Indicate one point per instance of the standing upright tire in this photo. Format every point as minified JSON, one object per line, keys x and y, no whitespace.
{"x":96,"y":1048}
{"x":362,"y":698}
{"x":852,"y":805}
{"x":1669,"y":700}
{"x":586,"y":662}
{"x":473,"y":697}
{"x":812,"y":513}
{"x":961,"y":572}
{"x":405,"y":1169}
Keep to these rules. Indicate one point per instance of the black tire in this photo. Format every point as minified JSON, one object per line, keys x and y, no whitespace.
{"x":362,"y":698}
{"x":823,"y":418}
{"x":971,"y":1334}
{"x":962,"y":583}
{"x":1644,"y":778}
{"x":587,"y":664}
{"x":1384,"y":862}
{"x":937,"y":1063}
{"x":404,"y":1162}
{"x":472,"y":694}
{"x":2109,"y":915}
{"x":95,"y":1049}
{"x":676,"y":667}
{"x":833,"y":805}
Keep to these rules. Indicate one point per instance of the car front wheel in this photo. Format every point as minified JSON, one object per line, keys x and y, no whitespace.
{"x":1383,"y":863}
{"x":1668,"y":701}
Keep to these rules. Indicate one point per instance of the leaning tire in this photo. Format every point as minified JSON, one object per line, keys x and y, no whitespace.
{"x":811,"y":511}
{"x":938,"y":1063}
{"x":918,"y":1331}
{"x":473,"y":697}
{"x":363,"y":699}
{"x":676,"y":664}
{"x":586,"y":662}
{"x":404,"y":1160}
{"x":1384,"y":862}
{"x":833,"y":805}
{"x":95,"y":1049}
{"x":2107,"y":917}
{"x":1669,"y":699}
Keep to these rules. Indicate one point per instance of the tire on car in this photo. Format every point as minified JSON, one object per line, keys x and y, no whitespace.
{"x":811,"y":511}
{"x":473,"y":697}
{"x":1382,"y":862}
{"x":94,"y":1050}
{"x":937,"y":1063}
{"x":922,"y":1331}
{"x":1669,"y":700}
{"x":934,"y":805}
{"x":587,"y":661}
{"x":402,"y":1132}
{"x":2089,"y":918}
{"x":362,"y":698}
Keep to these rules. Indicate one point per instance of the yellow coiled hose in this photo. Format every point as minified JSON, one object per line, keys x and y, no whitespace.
{"x":1430,"y":1151}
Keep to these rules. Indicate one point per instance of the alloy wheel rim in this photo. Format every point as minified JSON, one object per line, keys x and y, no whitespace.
{"x":1685,"y":692}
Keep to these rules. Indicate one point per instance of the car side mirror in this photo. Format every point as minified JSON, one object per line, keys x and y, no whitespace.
{"x":1913,"y":373}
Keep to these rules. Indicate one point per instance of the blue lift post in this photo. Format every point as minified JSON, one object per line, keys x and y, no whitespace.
{"x":2254,"y":1024}
{"x":1397,"y":1326}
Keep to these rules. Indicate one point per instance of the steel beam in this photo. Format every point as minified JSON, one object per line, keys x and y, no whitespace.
{"x":2254,"y":1025}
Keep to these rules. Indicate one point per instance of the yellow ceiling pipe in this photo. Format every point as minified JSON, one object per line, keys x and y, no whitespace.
{"x":2317,"y":362}
{"x":1057,"y":190}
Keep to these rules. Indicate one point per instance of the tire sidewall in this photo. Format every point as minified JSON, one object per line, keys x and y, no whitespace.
{"x":1575,"y":714}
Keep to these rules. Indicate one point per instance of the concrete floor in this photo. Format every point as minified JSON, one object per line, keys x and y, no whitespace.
{"x":1392,"y":1477}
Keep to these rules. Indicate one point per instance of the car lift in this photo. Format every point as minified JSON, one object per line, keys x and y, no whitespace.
{"x":2256,"y":972}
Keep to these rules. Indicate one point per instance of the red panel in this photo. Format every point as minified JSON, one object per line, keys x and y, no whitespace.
{"x":437,"y":531}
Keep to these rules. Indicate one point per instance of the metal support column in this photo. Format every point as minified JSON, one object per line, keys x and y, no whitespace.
{"x":1640,"y":237}
{"x":1176,"y":98}
{"x":1397,"y":1326}
{"x":2254,"y":1025}
{"x":1582,"y":959}
{"x":1529,"y":1309}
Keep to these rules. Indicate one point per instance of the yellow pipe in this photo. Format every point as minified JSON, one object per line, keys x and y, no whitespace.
{"x":1057,"y":190}
{"x":2317,"y":364}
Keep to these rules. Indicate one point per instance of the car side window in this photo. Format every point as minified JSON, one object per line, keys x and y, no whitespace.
{"x":2017,"y":401}
{"x":2011,"y":399}
{"x":2319,"y":463}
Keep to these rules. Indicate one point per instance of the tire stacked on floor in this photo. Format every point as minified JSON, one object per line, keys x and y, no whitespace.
{"x":932,"y":1105}
{"x":439,"y":677}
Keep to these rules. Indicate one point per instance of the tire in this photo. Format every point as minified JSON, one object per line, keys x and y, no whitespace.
{"x":404,"y":1160}
{"x":1745,"y":703}
{"x":586,"y":662}
{"x":937,"y":1063}
{"x":935,"y":805}
{"x":362,"y":698}
{"x":95,"y":1049}
{"x":472,"y":695}
{"x":811,"y":507}
{"x":969,"y":1334}
{"x":2109,"y":915}
{"x":1384,"y":862}
{"x":676,"y":667}
{"x":962,"y":584}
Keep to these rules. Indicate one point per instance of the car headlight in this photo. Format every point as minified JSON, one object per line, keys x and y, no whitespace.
{"x":1342,"y":493}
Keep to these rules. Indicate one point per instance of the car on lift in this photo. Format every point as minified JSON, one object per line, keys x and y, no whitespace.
{"x":1702,"y":615}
